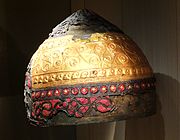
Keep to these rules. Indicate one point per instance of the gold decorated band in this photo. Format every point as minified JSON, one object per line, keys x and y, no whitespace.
{"x":95,"y":76}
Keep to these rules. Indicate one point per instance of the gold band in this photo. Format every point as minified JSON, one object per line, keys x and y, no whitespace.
{"x":102,"y":57}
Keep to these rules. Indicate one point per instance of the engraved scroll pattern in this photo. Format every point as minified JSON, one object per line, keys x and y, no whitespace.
{"x":108,"y":51}
{"x":100,"y":51}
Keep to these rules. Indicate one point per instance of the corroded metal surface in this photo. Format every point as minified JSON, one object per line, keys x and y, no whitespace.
{"x":83,"y":22}
{"x":128,"y":106}
{"x":88,"y":71}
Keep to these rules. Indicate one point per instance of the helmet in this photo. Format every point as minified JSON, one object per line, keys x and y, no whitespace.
{"x":88,"y":71}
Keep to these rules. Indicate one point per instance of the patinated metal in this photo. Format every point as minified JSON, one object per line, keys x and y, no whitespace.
{"x":88,"y":71}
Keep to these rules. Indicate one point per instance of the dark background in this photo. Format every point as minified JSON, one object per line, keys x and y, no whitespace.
{"x":153,"y":24}
{"x":24,"y":25}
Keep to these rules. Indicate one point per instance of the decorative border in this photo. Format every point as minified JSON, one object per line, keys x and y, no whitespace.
{"x":43,"y":111}
{"x":89,"y":90}
{"x":79,"y":100}
{"x":69,"y":78}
